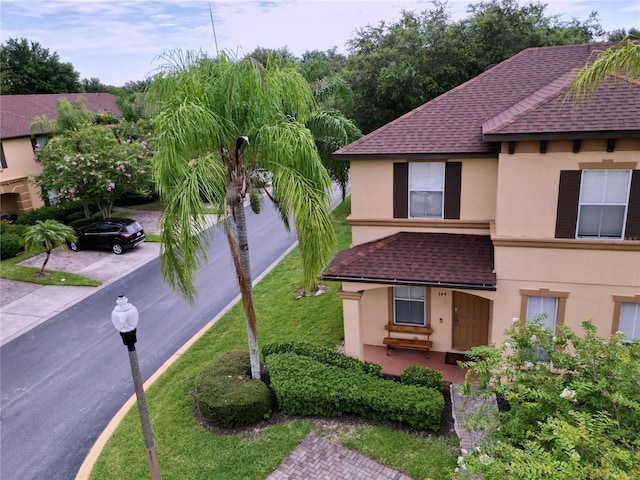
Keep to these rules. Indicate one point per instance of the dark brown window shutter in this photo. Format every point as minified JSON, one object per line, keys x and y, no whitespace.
{"x":632,"y":229}
{"x":568,"y":198}
{"x":400,"y":190}
{"x":452,"y":188}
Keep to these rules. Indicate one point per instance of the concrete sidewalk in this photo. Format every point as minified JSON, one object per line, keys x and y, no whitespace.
{"x":24,"y":306}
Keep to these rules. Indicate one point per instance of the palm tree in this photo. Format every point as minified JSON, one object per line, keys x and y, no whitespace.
{"x":622,"y":61}
{"x":48,"y":235}
{"x":226,"y":131}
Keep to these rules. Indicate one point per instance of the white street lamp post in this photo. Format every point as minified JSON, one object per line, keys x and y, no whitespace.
{"x":125,"y":319}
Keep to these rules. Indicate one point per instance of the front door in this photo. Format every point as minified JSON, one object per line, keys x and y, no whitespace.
{"x":470,"y":321}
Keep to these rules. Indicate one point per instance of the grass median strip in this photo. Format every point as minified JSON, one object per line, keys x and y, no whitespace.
{"x":10,"y":270}
{"x":187,"y":450}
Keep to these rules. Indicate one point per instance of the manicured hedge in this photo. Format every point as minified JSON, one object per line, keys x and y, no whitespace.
{"x":324,"y":355}
{"x":422,"y":376}
{"x":304,"y":386}
{"x":10,"y":246}
{"x":226,"y":394}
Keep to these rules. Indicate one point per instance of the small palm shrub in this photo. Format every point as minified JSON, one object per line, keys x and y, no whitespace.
{"x":227,"y":396}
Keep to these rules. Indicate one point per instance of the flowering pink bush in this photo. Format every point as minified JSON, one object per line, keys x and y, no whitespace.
{"x":92,"y":164}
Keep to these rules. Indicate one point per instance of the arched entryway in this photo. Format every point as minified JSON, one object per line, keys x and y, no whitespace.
{"x":470,"y":321}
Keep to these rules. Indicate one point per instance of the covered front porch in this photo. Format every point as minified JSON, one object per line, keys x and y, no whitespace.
{"x":400,"y":358}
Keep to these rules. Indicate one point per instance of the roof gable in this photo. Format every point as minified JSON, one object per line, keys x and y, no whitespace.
{"x":451,"y":124}
{"x":17,"y":112}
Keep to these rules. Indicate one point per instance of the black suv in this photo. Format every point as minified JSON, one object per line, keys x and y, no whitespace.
{"x":116,"y":234}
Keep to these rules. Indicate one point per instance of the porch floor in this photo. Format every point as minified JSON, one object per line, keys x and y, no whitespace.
{"x":400,"y":358}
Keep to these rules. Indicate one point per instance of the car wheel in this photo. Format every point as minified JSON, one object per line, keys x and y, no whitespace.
{"x":74,"y":246}
{"x":117,"y":248}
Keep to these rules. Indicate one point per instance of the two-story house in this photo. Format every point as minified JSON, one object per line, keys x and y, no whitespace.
{"x":500,"y":199}
{"x":17,"y":146}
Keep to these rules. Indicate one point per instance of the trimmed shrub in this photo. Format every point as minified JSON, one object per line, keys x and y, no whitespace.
{"x":83,"y":222}
{"x":60,"y":212}
{"x":422,"y":376}
{"x":304,"y":386}
{"x":323,"y":355}
{"x":43,"y":213}
{"x":227,"y":396}
{"x":10,"y":246}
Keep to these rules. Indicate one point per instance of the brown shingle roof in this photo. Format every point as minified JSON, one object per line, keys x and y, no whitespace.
{"x":411,"y":258}
{"x":451,"y":124}
{"x":17,"y":112}
{"x":615,"y":107}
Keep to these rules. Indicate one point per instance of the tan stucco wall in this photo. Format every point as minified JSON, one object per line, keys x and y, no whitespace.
{"x":591,"y":277}
{"x":375,"y":310}
{"x":528,"y":182}
{"x":21,"y":166}
{"x":372,"y":200}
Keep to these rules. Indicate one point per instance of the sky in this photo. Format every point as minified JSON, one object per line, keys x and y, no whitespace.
{"x":118,"y":41}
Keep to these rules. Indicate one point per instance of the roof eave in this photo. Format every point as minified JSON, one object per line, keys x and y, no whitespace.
{"x":396,"y":281}
{"x":411,"y":156}
{"x":581,"y":135}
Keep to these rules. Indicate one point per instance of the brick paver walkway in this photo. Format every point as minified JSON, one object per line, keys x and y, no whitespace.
{"x":319,"y":459}
{"x":463,"y":406}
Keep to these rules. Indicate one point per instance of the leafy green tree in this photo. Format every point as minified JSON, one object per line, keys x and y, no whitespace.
{"x":396,"y":67}
{"x":225,"y":130}
{"x":330,"y":128}
{"x":48,"y":234}
{"x":93,"y":165}
{"x":93,"y":85}
{"x":28,"y":68}
{"x":91,"y":160}
{"x":621,"y":34}
{"x":574,"y":405}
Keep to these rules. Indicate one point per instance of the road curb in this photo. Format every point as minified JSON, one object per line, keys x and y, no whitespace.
{"x":90,"y":460}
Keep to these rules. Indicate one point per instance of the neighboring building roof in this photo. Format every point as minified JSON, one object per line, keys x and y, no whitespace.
{"x":522,"y":95}
{"x":17,"y":112}
{"x":409,"y":258}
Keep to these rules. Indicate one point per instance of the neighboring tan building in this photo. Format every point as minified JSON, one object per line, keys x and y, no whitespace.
{"x":18,"y":164}
{"x":500,"y":199}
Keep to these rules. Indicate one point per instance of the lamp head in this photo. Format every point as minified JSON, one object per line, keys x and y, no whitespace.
{"x":124,"y":316}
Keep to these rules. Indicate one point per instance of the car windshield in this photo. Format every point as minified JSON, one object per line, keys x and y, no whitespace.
{"x":133,"y":227}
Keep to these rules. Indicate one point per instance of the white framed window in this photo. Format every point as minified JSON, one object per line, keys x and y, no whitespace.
{"x":426,"y":190}
{"x":604,"y":199}
{"x":630,"y":321}
{"x":543,"y":305}
{"x":409,"y":306}
{"x":548,"y":308}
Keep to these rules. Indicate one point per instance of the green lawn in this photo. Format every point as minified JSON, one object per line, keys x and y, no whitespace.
{"x":186,"y":450}
{"x":10,"y":270}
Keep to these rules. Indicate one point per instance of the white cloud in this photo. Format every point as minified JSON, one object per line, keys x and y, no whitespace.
{"x":117,"y":40}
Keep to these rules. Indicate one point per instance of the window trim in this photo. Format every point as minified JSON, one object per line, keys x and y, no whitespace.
{"x":618,"y":300}
{"x":569,"y":196}
{"x":625,"y":204}
{"x":413,"y":165}
{"x":545,"y":292}
{"x":392,"y":298}
{"x":452,"y":191}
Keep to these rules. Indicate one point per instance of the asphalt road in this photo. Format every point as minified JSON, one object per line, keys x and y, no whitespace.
{"x":63,"y":381}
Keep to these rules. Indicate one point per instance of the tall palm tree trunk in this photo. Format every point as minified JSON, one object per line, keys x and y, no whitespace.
{"x":239,"y":246}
